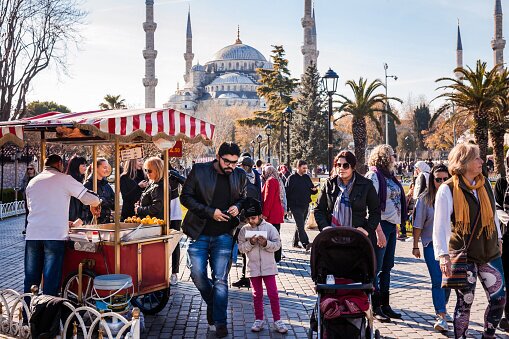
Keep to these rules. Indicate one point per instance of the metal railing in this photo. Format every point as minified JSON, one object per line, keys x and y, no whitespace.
{"x":83,"y":322}
{"x":12,"y":209}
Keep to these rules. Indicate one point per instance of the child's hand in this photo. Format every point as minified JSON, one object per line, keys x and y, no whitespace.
{"x":253,"y":240}
{"x":262,"y":241}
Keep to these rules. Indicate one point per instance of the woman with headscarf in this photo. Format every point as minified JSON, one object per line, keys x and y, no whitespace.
{"x":273,"y":196}
{"x":394,"y":211}
{"x":466,"y":220}
{"x":76,"y":168}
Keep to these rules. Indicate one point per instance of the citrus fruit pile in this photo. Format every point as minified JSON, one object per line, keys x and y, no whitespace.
{"x":145,"y":221}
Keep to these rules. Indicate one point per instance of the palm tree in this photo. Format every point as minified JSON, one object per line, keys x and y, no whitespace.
{"x":365,"y":104}
{"x":499,"y":120}
{"x":112,"y":102}
{"x":474,"y":93}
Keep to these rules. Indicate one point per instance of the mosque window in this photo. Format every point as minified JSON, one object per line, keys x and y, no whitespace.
{"x":238,"y":65}
{"x":222,"y":87}
{"x":229,"y":65}
{"x":245,"y":64}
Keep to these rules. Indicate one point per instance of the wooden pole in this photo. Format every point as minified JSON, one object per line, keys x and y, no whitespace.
{"x":117,"y":206}
{"x":94,"y":168}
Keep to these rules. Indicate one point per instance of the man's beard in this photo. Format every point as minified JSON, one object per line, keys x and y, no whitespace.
{"x":223,"y":170}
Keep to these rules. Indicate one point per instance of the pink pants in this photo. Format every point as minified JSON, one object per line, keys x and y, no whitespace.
{"x":271,"y":286}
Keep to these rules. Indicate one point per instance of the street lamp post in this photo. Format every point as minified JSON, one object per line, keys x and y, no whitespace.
{"x":387,"y":103}
{"x":287,"y":116}
{"x":330,"y":84}
{"x":259,"y":141}
{"x":268,"y":132}
{"x":253,"y":147}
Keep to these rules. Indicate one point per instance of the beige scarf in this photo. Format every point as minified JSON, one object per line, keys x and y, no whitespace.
{"x":461,"y":209}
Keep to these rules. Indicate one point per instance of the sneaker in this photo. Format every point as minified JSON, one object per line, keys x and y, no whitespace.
{"x":257,"y":326}
{"x":441,"y":325}
{"x":402,"y":237}
{"x":296,"y":246}
{"x":280,"y":327}
{"x":449,"y":318}
{"x":504,"y":324}
{"x":174,"y":280}
{"x":243,"y":282}
{"x":221,"y":331}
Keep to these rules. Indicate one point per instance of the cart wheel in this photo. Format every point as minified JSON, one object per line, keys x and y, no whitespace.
{"x":70,"y":287}
{"x":377,"y":334}
{"x":152,"y":303}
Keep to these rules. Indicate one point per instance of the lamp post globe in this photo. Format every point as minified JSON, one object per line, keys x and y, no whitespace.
{"x":330,"y":85}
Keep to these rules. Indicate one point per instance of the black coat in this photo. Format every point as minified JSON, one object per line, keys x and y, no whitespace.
{"x":198,"y":192}
{"x":363,"y":199}
{"x":152,"y":201}
{"x":106,"y":194}
{"x":175,"y":180}
{"x":131,"y":193}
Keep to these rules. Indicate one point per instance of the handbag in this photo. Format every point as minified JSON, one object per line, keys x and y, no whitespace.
{"x":459,"y":263}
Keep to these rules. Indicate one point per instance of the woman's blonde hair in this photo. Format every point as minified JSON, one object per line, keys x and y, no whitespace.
{"x":460,"y":156}
{"x":381,"y":156}
{"x":156,"y":165}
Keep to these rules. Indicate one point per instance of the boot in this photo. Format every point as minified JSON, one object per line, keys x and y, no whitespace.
{"x":377,"y":310}
{"x":386,"y":308}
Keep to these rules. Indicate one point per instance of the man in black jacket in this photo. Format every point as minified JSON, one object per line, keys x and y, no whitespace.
{"x":299,"y":189}
{"x":213,"y":194}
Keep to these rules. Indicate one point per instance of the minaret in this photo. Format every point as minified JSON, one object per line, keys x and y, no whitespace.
{"x":150,"y":81}
{"x":459,"y":52}
{"x":188,"y":55}
{"x":498,"y":42}
{"x":309,"y":47}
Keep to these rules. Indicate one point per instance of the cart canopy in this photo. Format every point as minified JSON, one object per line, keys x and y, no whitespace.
{"x":125,"y":125}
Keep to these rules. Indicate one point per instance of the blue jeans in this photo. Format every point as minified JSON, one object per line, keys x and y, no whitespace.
{"x":439,"y":295}
{"x":235,"y":252}
{"x":214,"y":291}
{"x":44,"y":258}
{"x":385,"y":258}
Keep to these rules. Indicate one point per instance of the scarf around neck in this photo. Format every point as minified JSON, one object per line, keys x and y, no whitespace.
{"x":461,"y":208}
{"x":342,"y":212}
{"x":382,"y":175}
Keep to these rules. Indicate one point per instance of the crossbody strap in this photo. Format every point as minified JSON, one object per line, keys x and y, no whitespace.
{"x":473,"y":231}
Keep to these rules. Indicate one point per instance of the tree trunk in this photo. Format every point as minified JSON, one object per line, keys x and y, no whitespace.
{"x":497,"y":139}
{"x":481,"y":133}
{"x":359,"y":140}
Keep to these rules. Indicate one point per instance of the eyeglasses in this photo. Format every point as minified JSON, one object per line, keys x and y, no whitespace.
{"x":147,"y":170}
{"x":440,"y":179}
{"x":30,"y":169}
{"x":345,"y":165}
{"x":229,"y":162}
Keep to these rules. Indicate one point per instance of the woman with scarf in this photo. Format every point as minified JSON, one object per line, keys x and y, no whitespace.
{"x":76,"y":168}
{"x":465,"y":212}
{"x":394,"y":211}
{"x":348,"y":199}
{"x":273,"y":197}
{"x":104,"y":191}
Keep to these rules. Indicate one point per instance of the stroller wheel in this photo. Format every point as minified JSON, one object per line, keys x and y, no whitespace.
{"x":377,"y":334}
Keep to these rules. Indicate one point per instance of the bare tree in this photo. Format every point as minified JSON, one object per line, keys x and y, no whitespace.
{"x":33,"y":35}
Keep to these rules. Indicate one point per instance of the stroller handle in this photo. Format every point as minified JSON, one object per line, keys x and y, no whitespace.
{"x":354,"y":286}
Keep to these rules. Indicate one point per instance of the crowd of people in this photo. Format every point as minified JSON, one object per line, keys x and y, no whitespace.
{"x":236,"y":205}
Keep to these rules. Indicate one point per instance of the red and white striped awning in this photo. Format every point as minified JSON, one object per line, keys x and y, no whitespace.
{"x":127,"y":124}
{"x":11,"y":133}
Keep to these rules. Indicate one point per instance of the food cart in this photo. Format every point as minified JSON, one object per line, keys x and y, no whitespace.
{"x":121,"y":249}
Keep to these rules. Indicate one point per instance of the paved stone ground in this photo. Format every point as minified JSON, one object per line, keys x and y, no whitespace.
{"x":184,"y":316}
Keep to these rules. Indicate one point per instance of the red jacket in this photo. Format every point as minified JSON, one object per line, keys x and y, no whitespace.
{"x":272,"y":206}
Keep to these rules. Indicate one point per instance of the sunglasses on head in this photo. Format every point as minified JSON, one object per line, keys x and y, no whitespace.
{"x":440,"y":179}
{"x":147,"y":170}
{"x":345,"y":165}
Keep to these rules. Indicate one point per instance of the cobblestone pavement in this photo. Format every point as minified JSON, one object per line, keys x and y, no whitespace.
{"x":184,"y":316}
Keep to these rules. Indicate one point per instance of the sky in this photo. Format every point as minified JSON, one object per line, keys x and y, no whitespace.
{"x":416,"y":38}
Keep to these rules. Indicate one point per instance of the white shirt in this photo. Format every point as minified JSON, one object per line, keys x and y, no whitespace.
{"x":444,"y":207}
{"x":48,"y":197}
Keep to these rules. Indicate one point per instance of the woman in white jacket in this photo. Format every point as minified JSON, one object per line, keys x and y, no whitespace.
{"x":261,"y":264}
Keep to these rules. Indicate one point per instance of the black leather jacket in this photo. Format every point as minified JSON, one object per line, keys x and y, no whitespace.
{"x":363,"y":199}
{"x":152,"y":201}
{"x":198,"y":191}
{"x":175,"y":180}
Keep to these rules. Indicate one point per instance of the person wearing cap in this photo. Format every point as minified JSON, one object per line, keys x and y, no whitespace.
{"x":48,"y":197}
{"x":259,"y":240}
{"x":502,"y":207}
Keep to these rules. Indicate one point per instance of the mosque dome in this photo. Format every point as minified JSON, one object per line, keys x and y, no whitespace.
{"x":232,"y":78}
{"x":198,"y":67}
{"x":239,"y":51}
{"x":228,"y":95}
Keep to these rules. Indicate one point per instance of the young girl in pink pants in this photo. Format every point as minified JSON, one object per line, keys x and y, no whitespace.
{"x":261,"y":264}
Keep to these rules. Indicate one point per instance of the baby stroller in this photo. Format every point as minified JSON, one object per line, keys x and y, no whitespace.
{"x":343,"y":309}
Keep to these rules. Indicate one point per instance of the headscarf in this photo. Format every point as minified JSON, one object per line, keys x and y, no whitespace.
{"x":461,"y":209}
{"x":270,"y":172}
{"x":422,"y":166}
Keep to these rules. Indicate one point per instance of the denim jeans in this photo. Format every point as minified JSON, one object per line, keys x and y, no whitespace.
{"x":235,"y":252}
{"x":439,"y":295}
{"x":385,"y":258}
{"x":44,"y":258}
{"x":214,"y":291}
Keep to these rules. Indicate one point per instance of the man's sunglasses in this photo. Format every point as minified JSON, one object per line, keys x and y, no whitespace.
{"x":229,"y":162}
{"x":345,"y":165}
{"x":147,"y":170}
{"x":440,"y":179}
